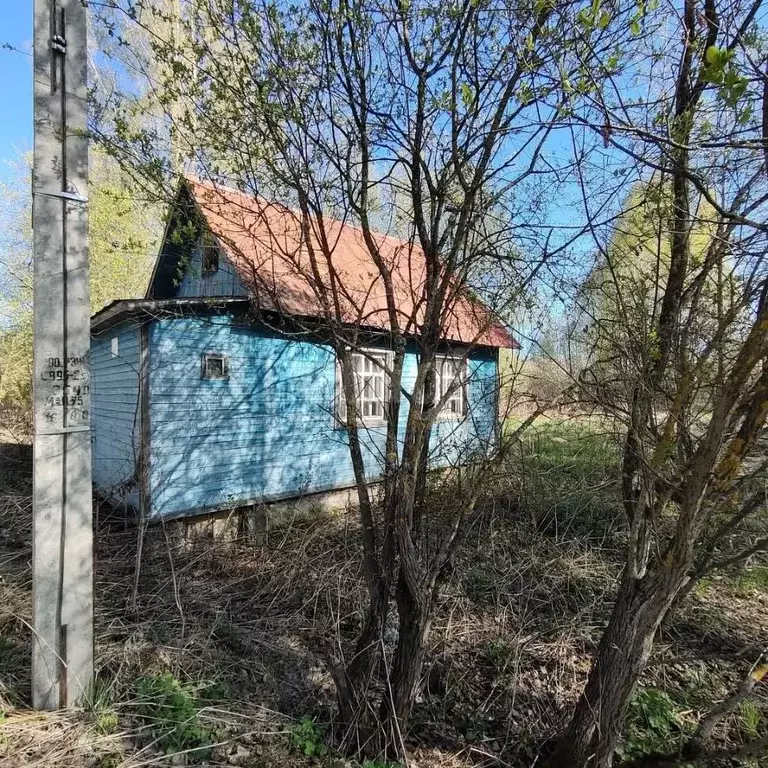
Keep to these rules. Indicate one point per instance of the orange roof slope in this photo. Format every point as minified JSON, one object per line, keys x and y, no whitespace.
{"x":266,"y":245}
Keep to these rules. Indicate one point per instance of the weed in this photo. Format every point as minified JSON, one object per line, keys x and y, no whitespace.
{"x":500,"y":653}
{"x":750,"y":717}
{"x":307,"y":737}
{"x":380,"y":764}
{"x":171,"y":708}
{"x":653,"y":725}
{"x":106,"y":723}
{"x":99,"y":701}
{"x":216,"y":690}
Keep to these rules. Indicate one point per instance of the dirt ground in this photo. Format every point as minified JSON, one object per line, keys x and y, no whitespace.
{"x":245,"y":629}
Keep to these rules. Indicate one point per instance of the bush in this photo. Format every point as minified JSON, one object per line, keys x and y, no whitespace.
{"x":544,"y":379}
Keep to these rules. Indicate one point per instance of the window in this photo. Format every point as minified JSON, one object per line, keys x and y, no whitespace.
{"x":215,"y":366}
{"x":371,"y":386}
{"x":449,"y":370}
{"x":210,"y":251}
{"x":114,"y":346}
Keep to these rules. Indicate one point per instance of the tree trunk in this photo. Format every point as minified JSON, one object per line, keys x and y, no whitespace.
{"x":595,"y":729}
{"x":352,"y":679}
{"x":415,"y":616}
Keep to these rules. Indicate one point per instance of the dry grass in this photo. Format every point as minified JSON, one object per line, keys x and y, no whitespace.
{"x":249,"y":626}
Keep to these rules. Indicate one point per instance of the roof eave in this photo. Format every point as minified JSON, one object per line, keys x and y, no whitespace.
{"x":149,"y":309}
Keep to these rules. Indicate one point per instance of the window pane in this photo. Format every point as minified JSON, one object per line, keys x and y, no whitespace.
{"x":215,"y":366}
{"x":371,"y":383}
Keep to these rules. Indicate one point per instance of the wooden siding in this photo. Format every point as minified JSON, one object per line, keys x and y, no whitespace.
{"x":115,"y":419}
{"x":268,"y":431}
{"x":223,"y":282}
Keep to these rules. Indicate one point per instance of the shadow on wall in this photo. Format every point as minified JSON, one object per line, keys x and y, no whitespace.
{"x":266,"y":431}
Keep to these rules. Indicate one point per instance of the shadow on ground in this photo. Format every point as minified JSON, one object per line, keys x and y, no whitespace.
{"x":257,"y":620}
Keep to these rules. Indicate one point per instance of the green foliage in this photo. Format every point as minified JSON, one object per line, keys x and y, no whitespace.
{"x":622,"y":294}
{"x":123,"y":233}
{"x":653,"y":725}
{"x":171,"y":709}
{"x":380,"y":764}
{"x":307,"y":737}
{"x":500,"y":652}
{"x":106,"y":723}
{"x":719,"y":68}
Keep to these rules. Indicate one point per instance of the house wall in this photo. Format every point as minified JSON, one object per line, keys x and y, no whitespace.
{"x":115,"y":416}
{"x":223,"y":282}
{"x":268,"y":431}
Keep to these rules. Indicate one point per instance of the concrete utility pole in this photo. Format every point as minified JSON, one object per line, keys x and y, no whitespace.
{"x":62,"y":658}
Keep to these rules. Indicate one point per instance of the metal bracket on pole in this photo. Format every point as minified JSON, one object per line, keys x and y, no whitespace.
{"x":70,"y":196}
{"x":59,"y":44}
{"x":62,"y":431}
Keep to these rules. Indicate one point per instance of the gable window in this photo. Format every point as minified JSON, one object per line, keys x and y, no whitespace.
{"x":114,"y":346}
{"x":210,"y":252}
{"x":451,"y":375}
{"x":372,"y":386}
{"x":214,"y":366}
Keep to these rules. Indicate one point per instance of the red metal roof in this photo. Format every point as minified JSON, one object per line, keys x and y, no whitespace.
{"x":265,"y":243}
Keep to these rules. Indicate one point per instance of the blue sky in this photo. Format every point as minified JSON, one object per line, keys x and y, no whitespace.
{"x":15,"y":80}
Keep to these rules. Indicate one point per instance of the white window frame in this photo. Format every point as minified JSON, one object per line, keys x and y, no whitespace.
{"x":372,"y":385}
{"x":209,"y":245}
{"x":205,"y":372}
{"x":114,"y":346}
{"x":455,"y":407}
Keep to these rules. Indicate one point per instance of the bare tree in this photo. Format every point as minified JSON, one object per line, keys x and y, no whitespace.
{"x":688,"y":369}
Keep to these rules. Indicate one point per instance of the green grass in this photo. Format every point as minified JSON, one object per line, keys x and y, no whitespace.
{"x":567,"y":472}
{"x":753,"y":579}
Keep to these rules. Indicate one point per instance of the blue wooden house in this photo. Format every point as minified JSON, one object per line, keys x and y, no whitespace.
{"x":221,"y":389}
